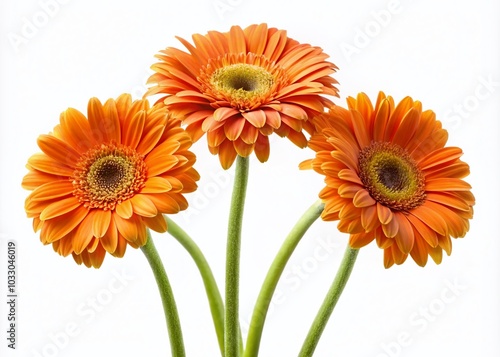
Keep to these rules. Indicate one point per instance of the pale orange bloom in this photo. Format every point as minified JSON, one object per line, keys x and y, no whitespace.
{"x":390,"y":178}
{"x":241,"y":86}
{"x":101,"y":182}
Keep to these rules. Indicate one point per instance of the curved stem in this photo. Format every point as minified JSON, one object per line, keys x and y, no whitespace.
{"x":213,"y":293}
{"x":274,"y":274}
{"x":329,"y":303}
{"x":167,"y":298}
{"x":231,"y":322}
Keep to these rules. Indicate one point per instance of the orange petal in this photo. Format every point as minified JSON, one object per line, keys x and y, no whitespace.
{"x":59,"y":208}
{"x":359,"y":240}
{"x":76,"y":129}
{"x":110,"y":240}
{"x":391,"y":229}
{"x":227,"y":154}
{"x":156,"y":185}
{"x":360,"y":129}
{"x":101,"y":223}
{"x":143,"y":206}
{"x":124,"y":209}
{"x":446,"y":184}
{"x":255,"y":117}
{"x":97,"y":257}
{"x":381,"y":119}
{"x":42,"y":162}
{"x":165,"y":203}
{"x":350,"y":175}
{"x":419,"y":252}
{"x":408,"y":126}
{"x":234,"y":127}
{"x":242,"y":149}
{"x":158,"y":164}
{"x":384,"y":214}
{"x":149,"y":141}
{"x":430,"y":218}
{"x":58,"y":227}
{"x":128,"y":228}
{"x":132,"y":129}
{"x":157,"y":223}
{"x":223,"y":113}
{"x":439,"y":157}
{"x":58,"y":150}
{"x":428,"y":234}
{"x":369,"y":219}
{"x":363,"y":199}
{"x":405,"y":237}
{"x":52,"y":190}
{"x":84,"y":233}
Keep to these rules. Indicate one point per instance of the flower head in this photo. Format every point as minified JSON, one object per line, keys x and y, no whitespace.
{"x":101,"y":182}
{"x":390,"y":178}
{"x":241,"y":86}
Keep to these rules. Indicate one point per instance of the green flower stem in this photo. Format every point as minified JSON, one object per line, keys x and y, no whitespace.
{"x":274,"y":274}
{"x":232,"y":332}
{"x":167,"y":298}
{"x":213,"y":293}
{"x":329,"y":303}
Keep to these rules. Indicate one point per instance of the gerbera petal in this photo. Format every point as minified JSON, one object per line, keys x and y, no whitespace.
{"x":428,"y":216}
{"x":143,"y":206}
{"x":369,"y":219}
{"x":42,"y":162}
{"x":110,"y":240}
{"x":156,"y":223}
{"x":363,"y":199}
{"x":59,"y":208}
{"x":419,"y":252}
{"x":101,"y":223}
{"x":262,"y":148}
{"x":384,"y":214}
{"x":52,"y":190}
{"x":391,"y":229}
{"x":84,"y":233}
{"x":405,"y":237}
{"x":233,"y":128}
{"x":407,"y":128}
{"x":359,"y":240}
{"x":124,"y":209}
{"x":58,"y":150}
{"x":132,"y":130}
{"x":446,"y":184}
{"x":156,"y":185}
{"x":255,"y":117}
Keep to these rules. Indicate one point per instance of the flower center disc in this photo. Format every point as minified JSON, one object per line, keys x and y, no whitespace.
{"x":108,"y":175}
{"x":242,"y":82}
{"x":391,"y":176}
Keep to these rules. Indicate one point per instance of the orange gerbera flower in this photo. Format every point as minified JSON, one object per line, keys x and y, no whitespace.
{"x":100,"y":183}
{"x":390,"y":178}
{"x":241,"y":86}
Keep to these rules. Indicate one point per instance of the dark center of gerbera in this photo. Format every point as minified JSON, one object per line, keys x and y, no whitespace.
{"x":391,"y":176}
{"x":242,"y":82}
{"x":108,"y":175}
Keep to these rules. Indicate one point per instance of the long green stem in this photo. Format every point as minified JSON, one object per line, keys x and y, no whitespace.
{"x":231,"y":322}
{"x":273,"y":276}
{"x":329,"y":303}
{"x":167,"y":298}
{"x":213,"y":293}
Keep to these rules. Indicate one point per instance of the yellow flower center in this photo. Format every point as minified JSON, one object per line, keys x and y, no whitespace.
{"x":242,"y":81}
{"x":107,"y":175}
{"x":391,"y":176}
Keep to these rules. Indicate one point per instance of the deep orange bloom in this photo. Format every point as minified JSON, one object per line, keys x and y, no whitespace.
{"x":241,"y":86}
{"x":389,"y":177}
{"x":100,"y":183}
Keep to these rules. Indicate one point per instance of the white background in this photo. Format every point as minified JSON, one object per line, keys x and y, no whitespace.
{"x":442,"y":53}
